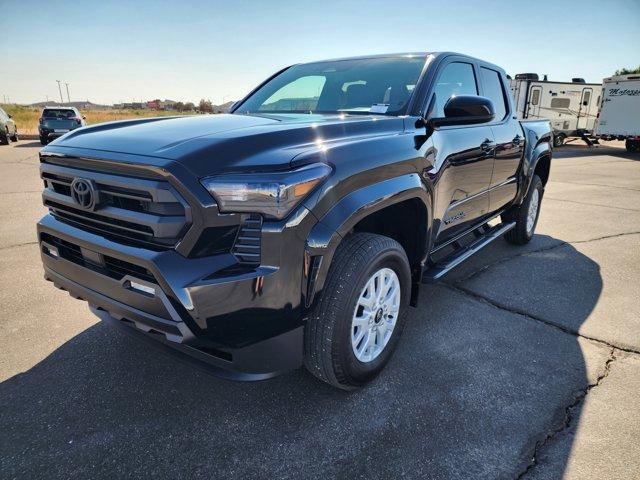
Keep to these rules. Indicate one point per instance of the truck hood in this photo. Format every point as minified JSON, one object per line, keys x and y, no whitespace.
{"x":210,"y":144}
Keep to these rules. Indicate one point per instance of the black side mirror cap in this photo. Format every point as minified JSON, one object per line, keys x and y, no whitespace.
{"x":466,"y":110}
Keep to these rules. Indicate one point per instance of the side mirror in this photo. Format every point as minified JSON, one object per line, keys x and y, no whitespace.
{"x":466,"y":110}
{"x":9,"y":116}
{"x":83,"y":117}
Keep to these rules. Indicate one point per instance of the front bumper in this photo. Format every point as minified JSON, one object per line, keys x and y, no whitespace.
{"x":247,"y":324}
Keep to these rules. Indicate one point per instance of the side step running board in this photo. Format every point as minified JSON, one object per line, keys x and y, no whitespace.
{"x":436,"y":271}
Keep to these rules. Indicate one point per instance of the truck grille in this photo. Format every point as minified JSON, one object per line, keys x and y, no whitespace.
{"x":130,"y":210}
{"x":112,"y":267}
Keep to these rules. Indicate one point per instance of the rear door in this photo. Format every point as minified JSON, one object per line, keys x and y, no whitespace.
{"x":464,"y":155}
{"x":509,"y":139}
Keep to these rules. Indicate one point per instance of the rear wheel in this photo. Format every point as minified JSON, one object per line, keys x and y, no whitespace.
{"x":558,"y":139}
{"x":526,"y":215}
{"x":14,"y":137}
{"x":355,"y":326}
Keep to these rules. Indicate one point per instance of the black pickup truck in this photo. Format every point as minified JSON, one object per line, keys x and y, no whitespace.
{"x":297,"y":229}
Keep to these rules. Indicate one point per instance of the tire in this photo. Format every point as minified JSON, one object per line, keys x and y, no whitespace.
{"x":632,"y":146}
{"x":558,"y":140}
{"x":43,"y":141}
{"x":14,"y":137}
{"x":525,"y":226}
{"x":4,"y":138}
{"x":329,"y":331}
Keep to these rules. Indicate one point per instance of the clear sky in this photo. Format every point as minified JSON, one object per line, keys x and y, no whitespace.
{"x":111,"y":51}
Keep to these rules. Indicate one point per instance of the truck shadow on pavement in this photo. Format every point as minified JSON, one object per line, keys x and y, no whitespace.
{"x":471,"y":391}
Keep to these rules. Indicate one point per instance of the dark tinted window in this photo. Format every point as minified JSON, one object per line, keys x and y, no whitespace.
{"x":370,"y":85}
{"x":58,"y":113}
{"x":493,"y":91}
{"x":455,"y":79}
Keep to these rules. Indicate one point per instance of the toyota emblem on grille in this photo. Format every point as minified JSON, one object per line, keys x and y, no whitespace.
{"x":84,"y":193}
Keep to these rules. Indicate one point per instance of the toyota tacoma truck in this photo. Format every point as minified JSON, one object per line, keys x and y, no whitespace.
{"x":297,"y":229}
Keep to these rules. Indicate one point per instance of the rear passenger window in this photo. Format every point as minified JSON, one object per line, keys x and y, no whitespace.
{"x":455,"y":79}
{"x":494,"y":91}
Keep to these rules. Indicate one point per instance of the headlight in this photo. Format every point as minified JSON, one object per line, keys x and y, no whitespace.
{"x":272,"y":194}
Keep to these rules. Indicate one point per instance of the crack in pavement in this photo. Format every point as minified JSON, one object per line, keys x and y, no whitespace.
{"x":23,"y":191}
{"x":596,"y":185}
{"x":547,"y":197}
{"x":569,"y":411}
{"x":18,"y":245}
{"x":561,"y":243}
{"x":578,"y":397}
{"x":488,"y":301}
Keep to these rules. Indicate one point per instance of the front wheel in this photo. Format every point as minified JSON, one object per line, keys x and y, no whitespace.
{"x":632,"y":145}
{"x":526,"y":215}
{"x":355,"y":326}
{"x":14,"y":137}
{"x":5,"y":138}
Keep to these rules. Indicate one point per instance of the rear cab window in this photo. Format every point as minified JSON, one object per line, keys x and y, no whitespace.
{"x":494,"y":91}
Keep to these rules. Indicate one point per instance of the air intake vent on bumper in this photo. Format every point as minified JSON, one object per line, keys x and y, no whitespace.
{"x":247,"y":245}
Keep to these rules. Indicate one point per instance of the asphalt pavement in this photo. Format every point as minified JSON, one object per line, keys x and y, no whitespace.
{"x":523,"y":363}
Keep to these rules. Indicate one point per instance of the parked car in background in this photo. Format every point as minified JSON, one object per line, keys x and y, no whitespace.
{"x":619,"y":116}
{"x":299,"y":228}
{"x":8,"y":128}
{"x":56,"y":121}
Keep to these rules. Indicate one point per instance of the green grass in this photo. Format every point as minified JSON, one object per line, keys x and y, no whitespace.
{"x":26,"y":118}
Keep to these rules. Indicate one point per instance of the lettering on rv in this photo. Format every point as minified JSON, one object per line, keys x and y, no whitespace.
{"x":618,"y":92}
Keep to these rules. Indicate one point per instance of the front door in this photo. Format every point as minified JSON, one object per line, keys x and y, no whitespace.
{"x":585,"y":122}
{"x":463,"y":158}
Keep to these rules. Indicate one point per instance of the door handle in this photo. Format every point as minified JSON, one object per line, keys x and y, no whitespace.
{"x":487,"y":145}
{"x":516,"y":140}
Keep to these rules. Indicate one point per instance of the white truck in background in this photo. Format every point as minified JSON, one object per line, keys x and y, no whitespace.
{"x":571,"y":107}
{"x":619,"y":116}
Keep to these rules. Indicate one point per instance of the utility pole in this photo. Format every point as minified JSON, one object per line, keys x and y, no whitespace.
{"x":60,"y":90}
{"x":68,"y":99}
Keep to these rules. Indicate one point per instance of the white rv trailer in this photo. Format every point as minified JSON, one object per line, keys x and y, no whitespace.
{"x":571,"y":107}
{"x":619,"y":115}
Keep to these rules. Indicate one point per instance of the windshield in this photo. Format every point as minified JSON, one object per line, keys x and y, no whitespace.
{"x":371,"y":85}
{"x":58,"y":113}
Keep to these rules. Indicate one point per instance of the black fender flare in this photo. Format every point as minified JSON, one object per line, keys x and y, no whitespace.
{"x":326,"y":235}
{"x":537,"y":147}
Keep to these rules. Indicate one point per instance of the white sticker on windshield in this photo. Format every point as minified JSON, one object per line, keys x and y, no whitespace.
{"x":379,"y":108}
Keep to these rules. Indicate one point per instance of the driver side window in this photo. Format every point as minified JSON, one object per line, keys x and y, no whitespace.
{"x":457,"y":78}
